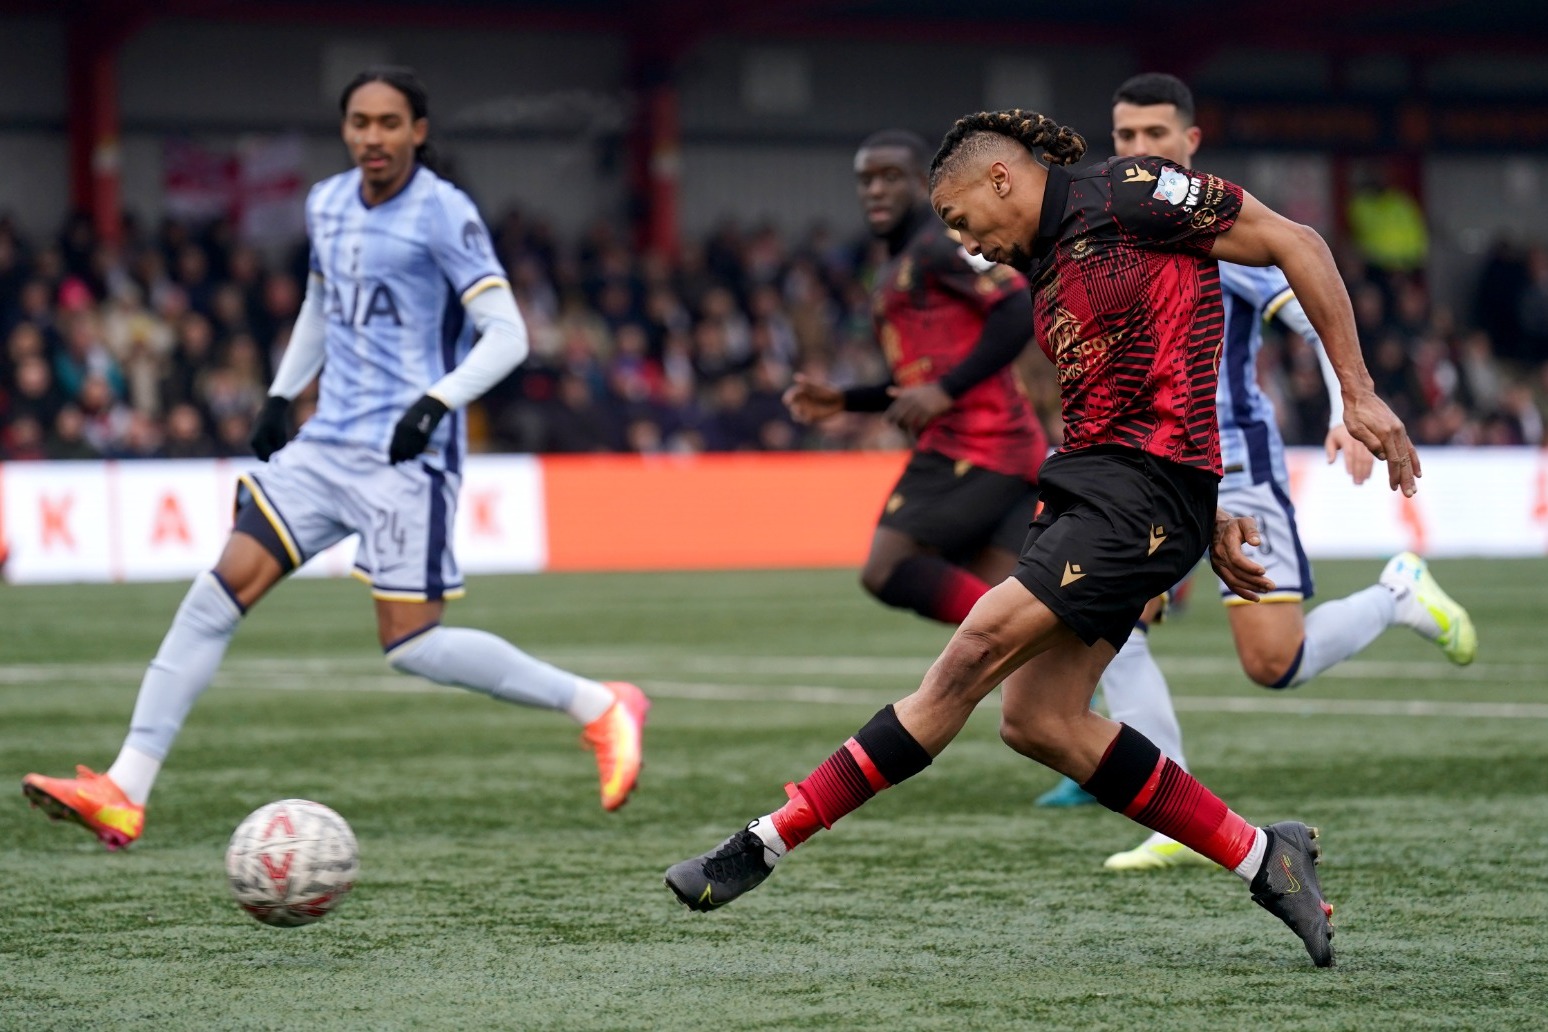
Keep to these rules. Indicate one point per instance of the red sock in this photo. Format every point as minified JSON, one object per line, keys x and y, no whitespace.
{"x":880,"y":755}
{"x":933,"y":587}
{"x":1143,"y":785}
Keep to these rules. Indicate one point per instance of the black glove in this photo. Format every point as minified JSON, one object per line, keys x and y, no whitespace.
{"x":413,"y":431}
{"x":272,"y":427}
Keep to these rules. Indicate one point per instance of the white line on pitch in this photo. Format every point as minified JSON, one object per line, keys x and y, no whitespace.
{"x":646,"y":663}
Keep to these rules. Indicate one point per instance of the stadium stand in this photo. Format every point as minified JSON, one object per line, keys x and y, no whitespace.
{"x":162,"y":347}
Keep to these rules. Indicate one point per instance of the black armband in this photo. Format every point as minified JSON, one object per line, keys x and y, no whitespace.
{"x":872,"y":398}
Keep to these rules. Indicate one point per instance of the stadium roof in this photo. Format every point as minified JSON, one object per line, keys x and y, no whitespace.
{"x":1410,"y":26}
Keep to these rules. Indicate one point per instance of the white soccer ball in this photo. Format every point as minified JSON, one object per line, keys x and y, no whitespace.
{"x":291,"y":862}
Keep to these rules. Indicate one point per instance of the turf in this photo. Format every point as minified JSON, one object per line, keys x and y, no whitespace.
{"x":495,"y":893}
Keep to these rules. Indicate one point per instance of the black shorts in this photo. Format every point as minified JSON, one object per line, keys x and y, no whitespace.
{"x":1118,"y":528}
{"x":957,"y":508}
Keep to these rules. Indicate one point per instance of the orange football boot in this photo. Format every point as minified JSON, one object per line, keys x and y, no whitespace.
{"x":91,"y":800}
{"x":617,"y":739}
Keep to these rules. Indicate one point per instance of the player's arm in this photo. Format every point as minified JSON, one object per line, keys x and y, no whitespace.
{"x":300,"y":364}
{"x":1358,"y":459}
{"x":501,"y":347}
{"x":812,"y":401}
{"x":1007,"y":328}
{"x":1261,"y":236}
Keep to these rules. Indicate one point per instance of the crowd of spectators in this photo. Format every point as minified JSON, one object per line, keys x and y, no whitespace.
{"x":162,"y":345}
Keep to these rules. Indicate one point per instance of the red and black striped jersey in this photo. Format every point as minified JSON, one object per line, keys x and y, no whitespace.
{"x":930,"y":305}
{"x":1127,"y":304}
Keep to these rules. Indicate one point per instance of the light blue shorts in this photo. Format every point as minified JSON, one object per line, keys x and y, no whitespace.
{"x":1280,"y":553}
{"x":313,"y":494}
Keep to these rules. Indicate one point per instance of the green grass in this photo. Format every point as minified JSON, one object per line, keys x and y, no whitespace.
{"x":494,"y":893}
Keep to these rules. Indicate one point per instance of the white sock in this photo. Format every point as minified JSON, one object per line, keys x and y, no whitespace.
{"x":482,"y":662}
{"x":590,"y":700}
{"x":134,"y":772}
{"x":1337,"y":630}
{"x":183,"y":668}
{"x":1157,"y":839}
{"x":1137,"y":695}
{"x":1247,"y":870}
{"x":773,"y":846}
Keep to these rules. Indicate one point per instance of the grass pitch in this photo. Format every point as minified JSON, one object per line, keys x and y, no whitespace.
{"x":494,"y":892}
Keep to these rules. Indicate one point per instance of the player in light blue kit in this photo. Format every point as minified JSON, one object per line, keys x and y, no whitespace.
{"x":1279,"y":645}
{"x":402,"y":275}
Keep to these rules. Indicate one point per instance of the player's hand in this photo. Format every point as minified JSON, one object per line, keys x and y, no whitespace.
{"x":412,"y":434}
{"x":811,"y":401}
{"x":272,"y":427}
{"x":1234,"y":568}
{"x":913,"y":408}
{"x":1376,"y":426}
{"x":1358,"y":459}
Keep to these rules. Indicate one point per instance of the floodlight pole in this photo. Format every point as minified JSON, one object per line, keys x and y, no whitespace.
{"x":95,"y":34}
{"x":655,"y":141}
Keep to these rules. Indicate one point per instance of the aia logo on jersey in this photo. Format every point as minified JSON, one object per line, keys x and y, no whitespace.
{"x":362,"y":304}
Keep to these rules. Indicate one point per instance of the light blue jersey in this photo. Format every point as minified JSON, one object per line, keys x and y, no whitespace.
{"x":395,"y":279}
{"x":1251,"y":449}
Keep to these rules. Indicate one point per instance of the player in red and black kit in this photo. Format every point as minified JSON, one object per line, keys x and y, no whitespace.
{"x":1122,"y":261}
{"x":955,"y":522}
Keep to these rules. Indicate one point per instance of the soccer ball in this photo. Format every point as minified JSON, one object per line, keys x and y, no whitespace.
{"x":291,"y":862}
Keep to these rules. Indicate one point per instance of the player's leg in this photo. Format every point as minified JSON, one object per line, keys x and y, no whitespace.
{"x":1126,"y":528}
{"x":263,"y":547}
{"x":1280,"y":647}
{"x":939,"y":510}
{"x":1137,"y":695}
{"x":1045,"y":718}
{"x":902,"y":572}
{"x":1004,"y":628}
{"x":407,"y":556}
{"x":1271,"y":635}
{"x":415,"y":642}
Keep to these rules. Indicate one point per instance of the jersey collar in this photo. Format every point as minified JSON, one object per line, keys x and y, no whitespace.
{"x":360,"y":190}
{"x":1056,"y":193}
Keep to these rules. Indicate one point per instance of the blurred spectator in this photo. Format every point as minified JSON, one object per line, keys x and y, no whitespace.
{"x":165,"y":346}
{"x":1388,"y":225}
{"x":68,"y":441}
{"x":186,"y":436}
{"x":86,"y":355}
{"x":22,"y":440}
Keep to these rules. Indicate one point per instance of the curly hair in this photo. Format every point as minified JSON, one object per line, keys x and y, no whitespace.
{"x":973,"y":134}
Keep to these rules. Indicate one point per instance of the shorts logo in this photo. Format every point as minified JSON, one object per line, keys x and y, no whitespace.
{"x":962,"y":466}
{"x":1135,"y":174}
{"x":894,"y":504}
{"x":1157,"y":536}
{"x":1071,"y":575}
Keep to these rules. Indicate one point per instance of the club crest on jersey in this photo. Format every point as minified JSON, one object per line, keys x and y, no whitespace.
{"x":1173,"y":187}
{"x":473,"y":238}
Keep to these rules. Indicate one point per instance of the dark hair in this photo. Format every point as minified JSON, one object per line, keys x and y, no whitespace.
{"x":1157,"y":88}
{"x":903,"y":139}
{"x":406,"y":82}
{"x":972,"y":134}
